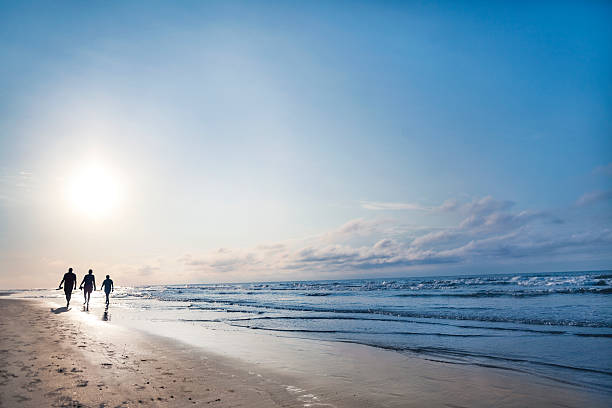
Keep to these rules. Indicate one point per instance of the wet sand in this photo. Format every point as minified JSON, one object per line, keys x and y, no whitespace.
{"x":53,"y":357}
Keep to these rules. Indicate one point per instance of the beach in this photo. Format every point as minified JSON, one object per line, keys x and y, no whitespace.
{"x":50,"y":359}
{"x":306,"y":204}
{"x":74,"y":358}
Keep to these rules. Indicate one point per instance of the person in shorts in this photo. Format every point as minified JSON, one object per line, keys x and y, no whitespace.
{"x":107,"y":285}
{"x":69,"y":282}
{"x":88,"y":285}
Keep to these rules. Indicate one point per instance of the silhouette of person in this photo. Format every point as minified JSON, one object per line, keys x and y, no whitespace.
{"x":107,"y":285}
{"x":88,"y":284}
{"x":69,"y":281}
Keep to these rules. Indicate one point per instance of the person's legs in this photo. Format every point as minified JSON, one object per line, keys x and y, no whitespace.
{"x":107,"y":295}
{"x":68,"y":294}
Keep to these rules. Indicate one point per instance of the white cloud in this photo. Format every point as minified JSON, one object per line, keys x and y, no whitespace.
{"x":379,"y":205}
{"x":485,"y":205}
{"x":594,"y":197}
{"x":436,"y":237}
{"x":480,"y":206}
{"x":356,"y":228}
{"x":487,"y":230}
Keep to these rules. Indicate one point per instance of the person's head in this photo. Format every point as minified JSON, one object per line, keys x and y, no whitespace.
{"x":107,"y":276}
{"x":69,"y":269}
{"x":90,"y":271}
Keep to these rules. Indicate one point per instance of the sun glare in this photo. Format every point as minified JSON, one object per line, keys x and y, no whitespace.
{"x":93,"y":191}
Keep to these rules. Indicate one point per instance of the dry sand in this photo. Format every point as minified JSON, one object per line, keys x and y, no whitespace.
{"x":53,"y":358}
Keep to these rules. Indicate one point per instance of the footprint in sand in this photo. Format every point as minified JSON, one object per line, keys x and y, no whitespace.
{"x":7,"y":374}
{"x":32,"y":385}
{"x":66,"y":401}
{"x":21,"y":398}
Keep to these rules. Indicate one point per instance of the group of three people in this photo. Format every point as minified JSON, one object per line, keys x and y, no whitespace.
{"x":88,"y":284}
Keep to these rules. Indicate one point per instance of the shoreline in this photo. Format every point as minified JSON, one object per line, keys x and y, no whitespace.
{"x":57,"y":358}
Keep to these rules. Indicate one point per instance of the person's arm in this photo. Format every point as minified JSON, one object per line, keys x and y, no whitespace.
{"x":94,"y":282}
{"x":75,"y":281}
{"x":112,"y":286}
{"x":81,"y":285}
{"x":62,"y":282}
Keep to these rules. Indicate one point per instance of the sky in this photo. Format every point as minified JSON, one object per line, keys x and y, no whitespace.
{"x":197,"y":142}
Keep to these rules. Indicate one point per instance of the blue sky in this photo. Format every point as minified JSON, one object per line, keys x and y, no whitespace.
{"x":298,"y":140}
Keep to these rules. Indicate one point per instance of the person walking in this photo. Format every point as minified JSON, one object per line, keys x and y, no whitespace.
{"x":108,"y":287}
{"x":88,"y":284}
{"x":69,"y":282}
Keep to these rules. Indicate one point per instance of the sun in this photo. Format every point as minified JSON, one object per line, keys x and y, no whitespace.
{"x":94,"y":191}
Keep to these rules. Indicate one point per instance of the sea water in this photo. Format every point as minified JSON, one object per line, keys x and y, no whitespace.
{"x":554,"y":325}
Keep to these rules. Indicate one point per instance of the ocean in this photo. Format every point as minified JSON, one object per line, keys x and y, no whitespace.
{"x":554,"y":325}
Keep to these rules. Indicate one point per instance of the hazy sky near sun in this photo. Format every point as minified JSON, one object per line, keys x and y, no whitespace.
{"x":241,"y":141}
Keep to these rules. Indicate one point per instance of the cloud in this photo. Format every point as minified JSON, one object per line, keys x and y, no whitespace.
{"x":355,"y":228}
{"x":594,"y":197}
{"x":479,"y":221}
{"x":148,"y":270}
{"x":605,"y":170}
{"x":503,"y":220}
{"x":449,"y":205}
{"x":382,"y":254}
{"x":486,"y":205}
{"x":16,"y":188}
{"x":358,"y":226}
{"x":223,"y":260}
{"x":483,"y":205}
{"x":436,"y":237}
{"x":379,"y":205}
{"x":518,"y":245}
{"x":485,"y":229}
{"x":271,"y":248}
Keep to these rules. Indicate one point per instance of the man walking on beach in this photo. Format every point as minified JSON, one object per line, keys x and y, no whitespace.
{"x":107,"y":285}
{"x":69,"y":281}
{"x":88,"y":284}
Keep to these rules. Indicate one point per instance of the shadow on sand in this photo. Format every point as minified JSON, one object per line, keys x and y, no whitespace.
{"x":60,"y":310}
